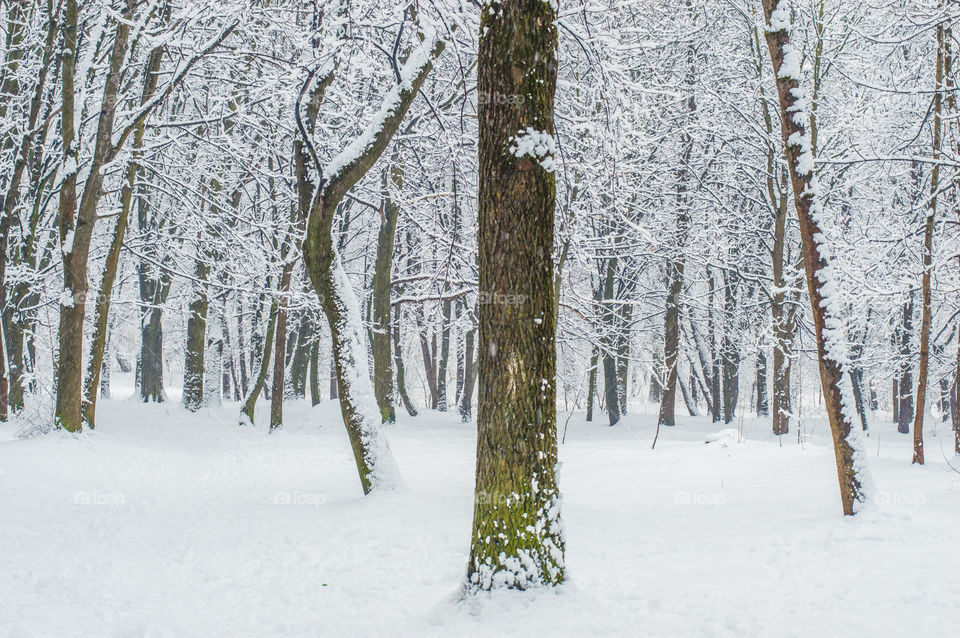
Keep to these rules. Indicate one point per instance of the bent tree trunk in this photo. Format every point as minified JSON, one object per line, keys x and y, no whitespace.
{"x":517,"y":539}
{"x":249,"y":406}
{"x":816,"y":257}
{"x":374,"y":460}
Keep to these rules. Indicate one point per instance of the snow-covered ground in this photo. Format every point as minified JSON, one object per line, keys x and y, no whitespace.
{"x":164,"y":523}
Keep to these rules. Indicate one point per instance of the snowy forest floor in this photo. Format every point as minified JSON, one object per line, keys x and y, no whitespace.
{"x":164,"y":523}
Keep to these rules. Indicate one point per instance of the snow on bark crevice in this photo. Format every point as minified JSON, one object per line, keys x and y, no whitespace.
{"x":834,"y":331}
{"x":384,"y":473}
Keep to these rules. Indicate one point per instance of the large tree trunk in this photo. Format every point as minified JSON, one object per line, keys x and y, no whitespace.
{"x":151,"y":355}
{"x":781,"y":387}
{"x":816,"y":257}
{"x":517,"y":540}
{"x":78,"y":215}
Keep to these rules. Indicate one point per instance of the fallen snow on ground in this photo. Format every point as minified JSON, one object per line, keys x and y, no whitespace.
{"x":164,"y":523}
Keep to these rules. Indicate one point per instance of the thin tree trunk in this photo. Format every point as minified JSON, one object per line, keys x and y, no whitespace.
{"x":315,"y":373}
{"x":800,"y":161}
{"x":215,"y":380}
{"x":905,"y":382}
{"x":611,"y":399}
{"x":300,"y":360}
{"x":445,"y":314}
{"x":280,"y":349}
{"x":763,"y":406}
{"x":469,"y":376}
{"x":382,"y":307}
{"x":592,"y":382}
{"x":401,"y":369}
{"x":249,"y":406}
{"x":925,"y":307}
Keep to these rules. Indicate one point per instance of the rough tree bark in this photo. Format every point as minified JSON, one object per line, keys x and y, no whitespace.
{"x":78,"y":213}
{"x":786,"y":58}
{"x":517,"y":540}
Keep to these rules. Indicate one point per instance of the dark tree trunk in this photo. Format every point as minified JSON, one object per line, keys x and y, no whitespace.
{"x":716,"y":416}
{"x":905,"y":382}
{"x":300,"y":361}
{"x":428,"y":354}
{"x":151,"y":356}
{"x":382,"y":309}
{"x":592,"y":382}
{"x":610,"y":379}
{"x":249,"y":407}
{"x":194,"y":364}
{"x":469,"y":377}
{"x":763,"y":406}
{"x":280,"y":349}
{"x":895,"y":400}
{"x":446,"y":312}
{"x":517,"y":540}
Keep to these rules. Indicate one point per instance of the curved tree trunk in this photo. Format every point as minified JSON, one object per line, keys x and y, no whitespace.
{"x":249,"y":405}
{"x":375,"y":463}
